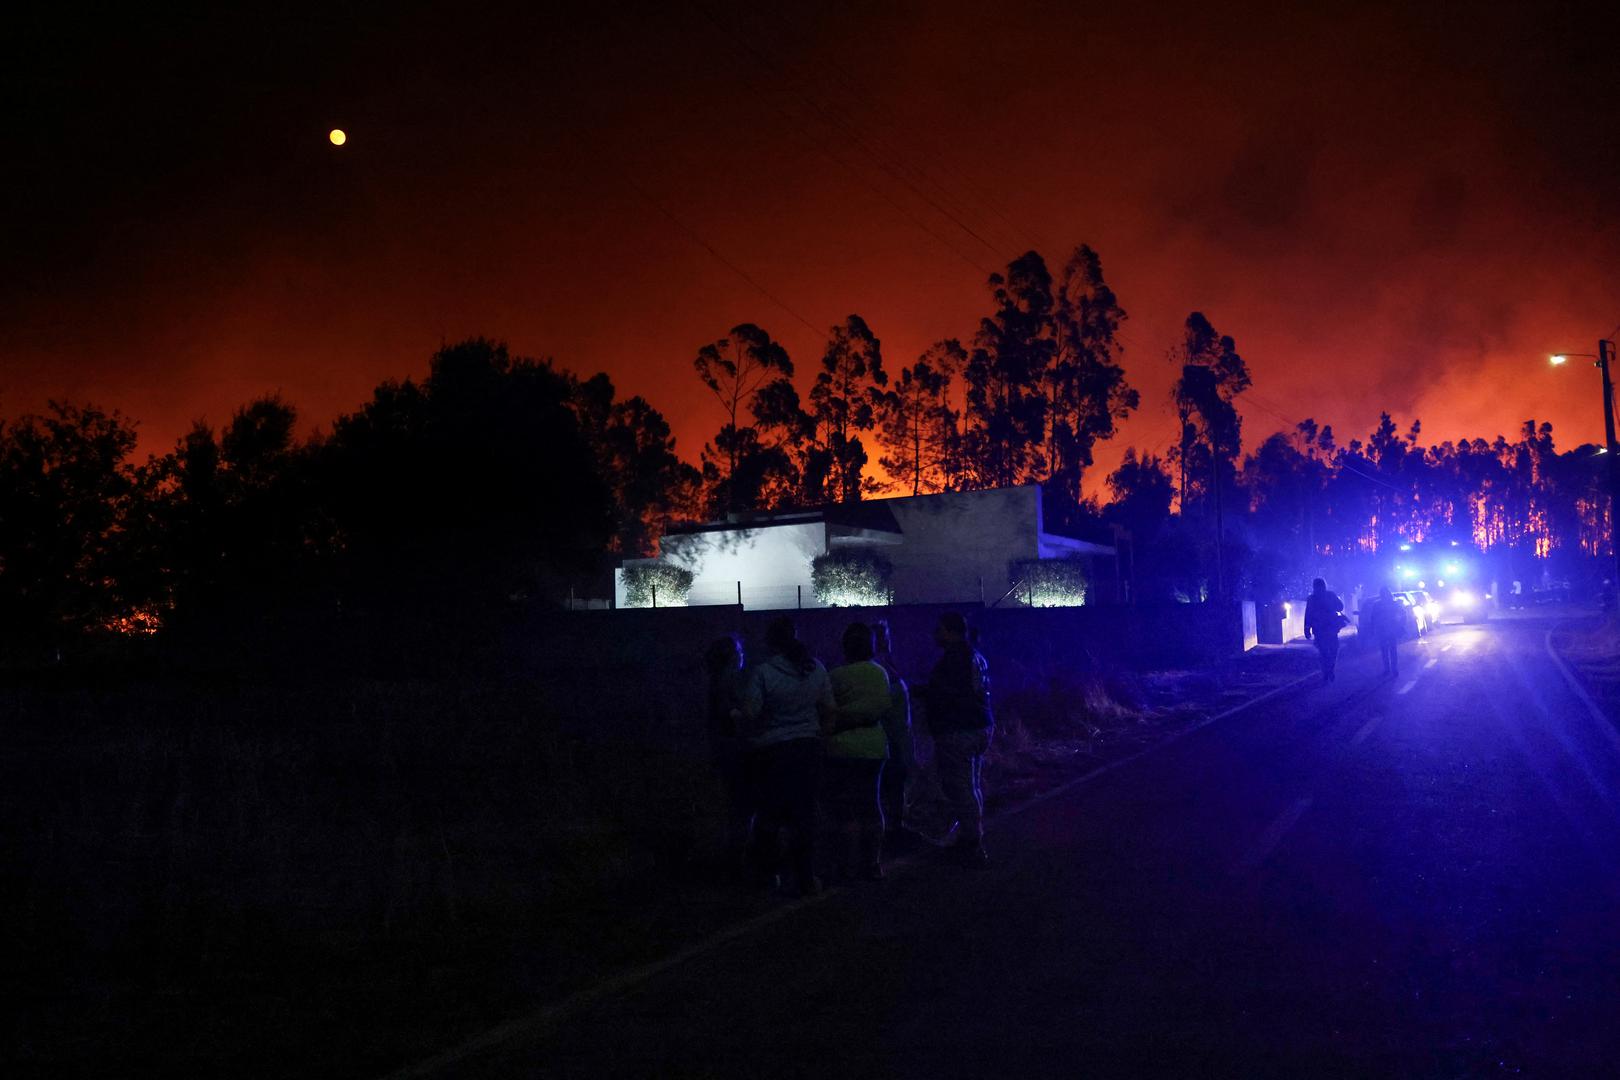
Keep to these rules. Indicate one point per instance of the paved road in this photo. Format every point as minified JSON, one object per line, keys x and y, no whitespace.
{"x":1417,"y":877}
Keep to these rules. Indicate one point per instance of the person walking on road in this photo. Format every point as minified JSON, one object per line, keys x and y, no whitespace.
{"x":784,"y":701}
{"x":959,"y":718}
{"x":1384,"y":622}
{"x":854,"y":747}
{"x":1324,"y":618}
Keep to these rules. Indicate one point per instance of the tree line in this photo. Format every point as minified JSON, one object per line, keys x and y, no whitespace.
{"x":497,"y":477}
{"x":1025,"y":399}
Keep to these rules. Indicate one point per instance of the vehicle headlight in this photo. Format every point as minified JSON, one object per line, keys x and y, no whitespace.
{"x":1434,"y":609}
{"x":1462,"y":598}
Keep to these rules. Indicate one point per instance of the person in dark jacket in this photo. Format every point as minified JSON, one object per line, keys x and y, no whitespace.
{"x":1324,"y":618}
{"x":1384,"y":621}
{"x":957,"y":698}
{"x":723,"y":662}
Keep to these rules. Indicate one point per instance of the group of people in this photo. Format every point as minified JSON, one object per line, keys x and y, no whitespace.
{"x":828,"y":756}
{"x":1383,"y":622}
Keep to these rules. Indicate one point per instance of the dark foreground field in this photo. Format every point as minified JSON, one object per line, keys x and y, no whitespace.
{"x":323,"y":875}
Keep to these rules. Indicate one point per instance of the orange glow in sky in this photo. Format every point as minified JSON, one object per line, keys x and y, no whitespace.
{"x":1387,"y":208}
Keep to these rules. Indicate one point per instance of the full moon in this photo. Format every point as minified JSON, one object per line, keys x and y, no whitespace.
{"x":337,"y":136}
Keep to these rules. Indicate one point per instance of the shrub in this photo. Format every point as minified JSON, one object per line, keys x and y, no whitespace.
{"x":851,"y":579}
{"x":1049,"y":582}
{"x":646,"y":582}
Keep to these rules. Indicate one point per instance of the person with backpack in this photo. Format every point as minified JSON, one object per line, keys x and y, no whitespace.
{"x":959,"y":718}
{"x":854,"y":749}
{"x":1324,"y":618}
{"x":784,"y":701}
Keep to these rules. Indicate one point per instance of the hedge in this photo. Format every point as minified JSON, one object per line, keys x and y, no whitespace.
{"x":1049,"y":582}
{"x":646,"y":582}
{"x":851,"y":579}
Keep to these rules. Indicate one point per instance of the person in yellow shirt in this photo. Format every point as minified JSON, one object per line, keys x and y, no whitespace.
{"x":854,"y":748}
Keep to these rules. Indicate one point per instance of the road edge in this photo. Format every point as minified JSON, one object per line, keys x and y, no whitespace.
{"x":1574,"y":681}
{"x":1169,"y":740}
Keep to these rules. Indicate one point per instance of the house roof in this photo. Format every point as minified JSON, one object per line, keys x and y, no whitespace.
{"x":1076,"y":547}
{"x":869,"y":516}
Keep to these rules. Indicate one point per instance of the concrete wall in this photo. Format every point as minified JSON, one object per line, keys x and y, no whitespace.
{"x":1282,"y":622}
{"x":956,"y":542}
{"x":1293,"y":621}
{"x":640,"y":673}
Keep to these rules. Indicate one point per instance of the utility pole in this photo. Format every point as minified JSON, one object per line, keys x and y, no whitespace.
{"x":1605,"y":353}
{"x":1220,"y":524}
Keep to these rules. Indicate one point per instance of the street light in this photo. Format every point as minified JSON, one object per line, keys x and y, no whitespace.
{"x":1601,"y":358}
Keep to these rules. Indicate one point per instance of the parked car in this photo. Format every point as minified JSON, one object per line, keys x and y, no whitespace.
{"x":1468,"y":604}
{"x":1417,"y":618}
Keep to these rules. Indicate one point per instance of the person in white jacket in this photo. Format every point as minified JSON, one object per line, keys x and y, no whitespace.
{"x":784,"y":701}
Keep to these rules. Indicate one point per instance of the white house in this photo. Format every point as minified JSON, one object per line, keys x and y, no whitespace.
{"x":957,"y":547}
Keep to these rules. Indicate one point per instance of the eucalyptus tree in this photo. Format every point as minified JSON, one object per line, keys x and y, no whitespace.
{"x":1086,"y":389}
{"x":843,"y":403}
{"x":917,"y":426}
{"x":737,"y":369}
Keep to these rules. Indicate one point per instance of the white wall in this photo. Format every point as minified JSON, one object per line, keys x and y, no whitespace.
{"x":772,"y":562}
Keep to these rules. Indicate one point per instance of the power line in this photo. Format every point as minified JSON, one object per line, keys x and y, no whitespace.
{"x":861,"y":175}
{"x":828,"y":116}
{"x":863,"y":178}
{"x":697,"y":238}
{"x":943,"y":211}
{"x":1341,"y":463}
{"x":893,"y":123}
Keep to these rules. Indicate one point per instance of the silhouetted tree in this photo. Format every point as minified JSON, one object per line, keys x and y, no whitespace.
{"x":241,"y":514}
{"x":737,"y":369}
{"x":1162,"y":560}
{"x":918,"y":428}
{"x":794,"y":466}
{"x":69,"y":504}
{"x":1012,"y":350}
{"x":466,"y":489}
{"x":843,"y":400}
{"x":636,"y":458}
{"x":1283,"y":485}
{"x":1141,"y":493}
{"x":1086,"y":389}
{"x":1212,"y":375}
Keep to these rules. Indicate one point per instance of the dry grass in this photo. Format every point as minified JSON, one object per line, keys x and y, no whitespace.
{"x":1594,"y":653}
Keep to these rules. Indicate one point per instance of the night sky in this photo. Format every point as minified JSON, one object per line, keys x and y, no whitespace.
{"x":1388,"y":208}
